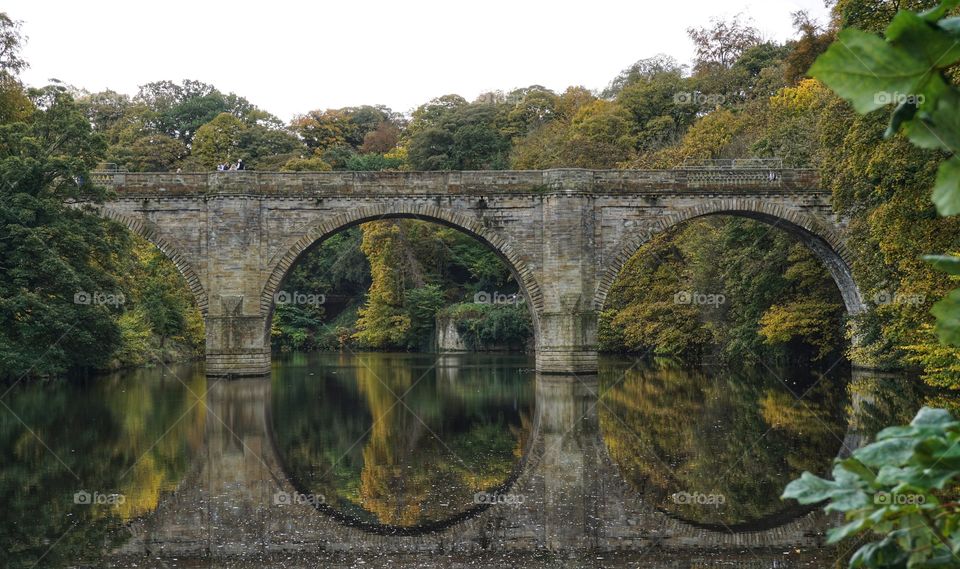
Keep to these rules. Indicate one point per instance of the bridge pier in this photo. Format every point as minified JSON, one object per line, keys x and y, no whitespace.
{"x":238,"y":345}
{"x":567,"y":343}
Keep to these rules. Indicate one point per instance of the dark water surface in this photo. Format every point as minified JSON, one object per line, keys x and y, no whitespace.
{"x":420,"y":460}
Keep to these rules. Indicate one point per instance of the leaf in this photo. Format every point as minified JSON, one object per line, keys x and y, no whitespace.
{"x":947,"y":312}
{"x":939,"y":11}
{"x":843,"y":493}
{"x":931,"y":416}
{"x":936,"y":124}
{"x":886,"y":452}
{"x":893,"y":475}
{"x":950,"y":26}
{"x":809,"y":489}
{"x":867,"y":71}
{"x":840,"y":533}
{"x":949,"y":264}
{"x":904,"y":112}
{"x":856,"y":467}
{"x":885,"y":553}
{"x":946,"y":191}
{"x":913,"y":34}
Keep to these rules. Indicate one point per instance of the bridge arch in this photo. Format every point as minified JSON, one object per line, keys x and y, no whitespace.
{"x":824,"y":240}
{"x":146,"y":230}
{"x":316,"y":234}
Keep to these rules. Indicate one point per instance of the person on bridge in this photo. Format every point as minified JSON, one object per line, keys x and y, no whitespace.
{"x":240,"y":165}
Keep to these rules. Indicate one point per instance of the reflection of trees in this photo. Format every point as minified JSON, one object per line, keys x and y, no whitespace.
{"x":397,"y":471}
{"x":742,"y":435}
{"x":132,"y":435}
{"x":879,"y":400}
{"x":158,"y":463}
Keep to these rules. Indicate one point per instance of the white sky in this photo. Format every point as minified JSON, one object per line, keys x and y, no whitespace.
{"x":290,"y":57}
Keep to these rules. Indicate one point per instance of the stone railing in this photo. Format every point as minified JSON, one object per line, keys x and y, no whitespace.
{"x":748,"y":180}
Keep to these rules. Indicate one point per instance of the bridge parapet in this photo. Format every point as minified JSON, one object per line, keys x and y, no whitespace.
{"x":535,"y":182}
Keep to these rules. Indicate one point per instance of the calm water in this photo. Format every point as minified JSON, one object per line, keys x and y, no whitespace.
{"x":367,"y":460}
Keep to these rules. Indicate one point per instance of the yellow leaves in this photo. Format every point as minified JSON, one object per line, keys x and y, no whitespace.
{"x":941,"y":364}
{"x":809,"y":319}
{"x":799,"y":99}
{"x":311,"y":164}
{"x":382,"y":321}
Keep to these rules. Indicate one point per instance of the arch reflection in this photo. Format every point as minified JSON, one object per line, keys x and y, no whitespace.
{"x":401,"y":443}
{"x":715,"y":447}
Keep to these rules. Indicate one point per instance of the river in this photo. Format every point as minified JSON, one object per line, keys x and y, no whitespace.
{"x":424,"y":460}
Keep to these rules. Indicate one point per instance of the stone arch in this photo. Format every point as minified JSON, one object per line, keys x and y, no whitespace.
{"x":284,"y":260}
{"x":146,"y":230}
{"x":822,"y":238}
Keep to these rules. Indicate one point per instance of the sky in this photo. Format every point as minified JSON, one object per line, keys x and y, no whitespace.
{"x":292,"y":57}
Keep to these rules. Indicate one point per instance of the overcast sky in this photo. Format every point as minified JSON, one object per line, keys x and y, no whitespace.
{"x":290,"y":57}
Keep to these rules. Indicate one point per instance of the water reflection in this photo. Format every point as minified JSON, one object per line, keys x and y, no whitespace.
{"x":400,"y":444}
{"x":80,"y":460}
{"x":716,"y":446}
{"x":391,"y":441}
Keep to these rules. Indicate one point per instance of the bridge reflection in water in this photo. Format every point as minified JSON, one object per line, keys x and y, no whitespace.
{"x":568,"y":496}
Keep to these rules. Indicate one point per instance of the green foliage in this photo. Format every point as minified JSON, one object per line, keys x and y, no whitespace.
{"x":462,"y":137}
{"x":338,"y":271}
{"x":491,"y":326}
{"x":50,"y":252}
{"x":897,"y":487}
{"x":422,"y":305}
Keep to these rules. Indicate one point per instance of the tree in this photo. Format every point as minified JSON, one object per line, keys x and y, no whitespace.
{"x":58,"y":296}
{"x":219,"y":141}
{"x":457,"y":137}
{"x":14,"y":104}
{"x":179,"y":110}
{"x":722,"y":44}
{"x":813,"y":41}
{"x":150,"y":153}
{"x":11,"y":42}
{"x":644,"y":70}
{"x":600,"y":136}
{"x":383,"y":321}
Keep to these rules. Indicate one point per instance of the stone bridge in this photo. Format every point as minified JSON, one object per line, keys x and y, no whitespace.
{"x":565,"y":234}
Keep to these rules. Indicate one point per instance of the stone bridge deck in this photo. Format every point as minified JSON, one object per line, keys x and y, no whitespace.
{"x":565,"y":234}
{"x":744,"y":181}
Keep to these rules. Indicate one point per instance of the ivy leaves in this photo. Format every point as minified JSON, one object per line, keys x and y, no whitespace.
{"x":893,"y":488}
